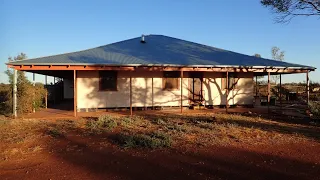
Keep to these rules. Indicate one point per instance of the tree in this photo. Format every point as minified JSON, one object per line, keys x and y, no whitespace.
{"x":276,"y":55}
{"x":257,"y":55}
{"x":288,"y":9}
{"x":27,"y":98}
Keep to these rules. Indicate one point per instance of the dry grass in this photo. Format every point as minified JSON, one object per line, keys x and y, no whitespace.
{"x":20,"y":137}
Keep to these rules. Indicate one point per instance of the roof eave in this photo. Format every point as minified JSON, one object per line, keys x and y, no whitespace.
{"x":160,"y":65}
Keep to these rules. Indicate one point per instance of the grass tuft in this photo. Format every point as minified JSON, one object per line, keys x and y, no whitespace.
{"x":54,"y":132}
{"x":153,"y":140}
{"x":105,"y":122}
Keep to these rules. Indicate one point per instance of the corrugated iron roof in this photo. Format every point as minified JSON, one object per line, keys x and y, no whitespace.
{"x":158,"y":50}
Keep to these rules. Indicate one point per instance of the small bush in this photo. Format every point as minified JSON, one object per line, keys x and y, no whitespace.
{"x":126,"y":121}
{"x":154,"y":140}
{"x":159,"y":121}
{"x":314,"y":107}
{"x":104,"y":122}
{"x":55,"y":132}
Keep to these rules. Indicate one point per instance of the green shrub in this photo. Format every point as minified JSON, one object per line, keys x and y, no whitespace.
{"x":104,"y":122}
{"x":314,"y":107}
{"x":159,"y":121}
{"x":54,"y":132}
{"x":154,"y":140}
{"x":126,"y":121}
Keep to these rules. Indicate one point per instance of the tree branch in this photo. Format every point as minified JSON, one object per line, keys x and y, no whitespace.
{"x":312,"y":4}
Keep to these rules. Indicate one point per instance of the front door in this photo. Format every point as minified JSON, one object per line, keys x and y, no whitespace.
{"x":195,"y":89}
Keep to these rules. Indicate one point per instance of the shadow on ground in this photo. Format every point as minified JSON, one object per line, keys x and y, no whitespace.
{"x":211,"y":163}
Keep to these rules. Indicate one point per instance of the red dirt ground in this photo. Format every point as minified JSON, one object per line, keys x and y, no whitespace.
{"x":75,"y":157}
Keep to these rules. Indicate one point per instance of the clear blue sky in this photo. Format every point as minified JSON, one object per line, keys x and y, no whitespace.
{"x":42,"y":28}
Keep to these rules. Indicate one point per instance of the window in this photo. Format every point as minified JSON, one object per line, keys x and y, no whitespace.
{"x":170,"y":80}
{"x":108,"y":80}
{"x":232,"y":82}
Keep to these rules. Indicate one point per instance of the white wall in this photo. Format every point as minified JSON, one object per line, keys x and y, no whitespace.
{"x":89,"y":95}
{"x":241,"y":95}
{"x":67,"y":88}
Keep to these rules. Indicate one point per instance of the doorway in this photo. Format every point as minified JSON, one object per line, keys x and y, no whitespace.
{"x":195,"y":88}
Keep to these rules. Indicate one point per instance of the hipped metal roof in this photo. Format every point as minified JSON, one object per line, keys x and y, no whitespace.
{"x":158,"y":50}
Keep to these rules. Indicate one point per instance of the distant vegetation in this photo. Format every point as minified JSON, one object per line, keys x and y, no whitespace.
{"x":29,"y":96}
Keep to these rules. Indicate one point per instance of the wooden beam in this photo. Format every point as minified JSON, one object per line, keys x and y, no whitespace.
{"x":131,"y":113}
{"x":308,"y":87}
{"x":268,"y":93}
{"x":154,"y":68}
{"x":181,"y":93}
{"x":75,"y":94}
{"x":227,"y":91}
{"x":14,"y":104}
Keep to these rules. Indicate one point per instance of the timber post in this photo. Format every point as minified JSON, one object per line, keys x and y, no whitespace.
{"x":75,"y":93}
{"x":46,"y":97}
{"x":34,"y":95}
{"x":181,"y":93}
{"x":268,"y":93}
{"x":131,"y":113}
{"x":308,"y":87}
{"x":280,"y":92}
{"x":227,"y":91}
{"x":14,"y":104}
{"x":152,"y":96}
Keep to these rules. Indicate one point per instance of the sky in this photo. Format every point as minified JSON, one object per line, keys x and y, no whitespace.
{"x":42,"y":28}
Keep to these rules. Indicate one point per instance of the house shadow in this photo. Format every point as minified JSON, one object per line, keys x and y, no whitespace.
{"x":109,"y":161}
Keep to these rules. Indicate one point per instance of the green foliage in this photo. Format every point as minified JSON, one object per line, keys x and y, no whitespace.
{"x":28,"y":95}
{"x":159,"y":121}
{"x":314,"y":107}
{"x":126,"y":121}
{"x":5,"y":97}
{"x":276,"y":55}
{"x":104,"y":122}
{"x":257,"y":55}
{"x":53,"y":132}
{"x":153,"y":140}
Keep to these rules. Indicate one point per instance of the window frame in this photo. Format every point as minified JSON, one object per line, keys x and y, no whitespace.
{"x":232,"y":77}
{"x":171,"y":75}
{"x":112,"y":74}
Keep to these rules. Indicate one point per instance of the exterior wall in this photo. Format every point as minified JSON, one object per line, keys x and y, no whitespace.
{"x":243,"y":94}
{"x":67,"y":88}
{"x":89,"y":95}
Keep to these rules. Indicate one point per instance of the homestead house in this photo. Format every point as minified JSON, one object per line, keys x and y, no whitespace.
{"x":157,"y":71}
